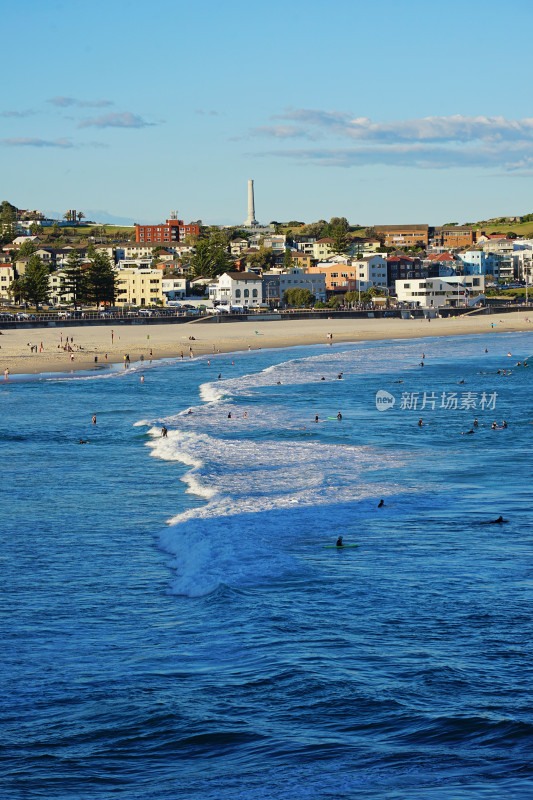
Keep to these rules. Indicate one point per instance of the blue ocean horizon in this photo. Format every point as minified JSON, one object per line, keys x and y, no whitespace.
{"x":176,"y":624}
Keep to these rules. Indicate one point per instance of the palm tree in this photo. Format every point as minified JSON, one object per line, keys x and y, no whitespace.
{"x":81,"y":216}
{"x":68,"y":216}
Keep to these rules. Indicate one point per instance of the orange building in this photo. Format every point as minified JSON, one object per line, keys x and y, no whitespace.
{"x":339,"y":277}
{"x":403,"y":235}
{"x":455,"y":236}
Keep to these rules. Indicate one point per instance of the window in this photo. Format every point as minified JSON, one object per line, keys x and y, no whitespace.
{"x":254,"y":293}
{"x":238,"y":293}
{"x":247,"y":293}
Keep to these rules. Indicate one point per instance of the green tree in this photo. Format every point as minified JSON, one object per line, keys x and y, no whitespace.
{"x":351,"y":297}
{"x":340,"y":222}
{"x":81,"y":216}
{"x":35,"y":281}
{"x":210,"y":259}
{"x":100,"y":277}
{"x":264,"y":258}
{"x":74,"y":283}
{"x":299,"y":298}
{"x":340,"y":241}
{"x":8,"y":218}
{"x":26,"y":249}
{"x":16,"y":289}
{"x":288,"y":261}
{"x":334,"y":302}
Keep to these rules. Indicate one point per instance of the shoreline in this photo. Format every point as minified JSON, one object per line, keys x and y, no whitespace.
{"x":109,"y":345}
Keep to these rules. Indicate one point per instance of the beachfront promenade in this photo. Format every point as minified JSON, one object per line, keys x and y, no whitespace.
{"x":165,"y":317}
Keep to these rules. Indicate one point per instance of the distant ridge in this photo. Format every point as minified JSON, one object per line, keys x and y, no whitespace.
{"x":96,"y":215}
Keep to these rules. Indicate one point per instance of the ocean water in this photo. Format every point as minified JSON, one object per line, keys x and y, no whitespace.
{"x":173,"y":624}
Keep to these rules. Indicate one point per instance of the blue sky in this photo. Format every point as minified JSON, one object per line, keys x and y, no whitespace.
{"x":382,"y":112}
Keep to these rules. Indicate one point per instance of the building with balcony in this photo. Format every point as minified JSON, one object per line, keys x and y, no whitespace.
{"x":139,"y":287}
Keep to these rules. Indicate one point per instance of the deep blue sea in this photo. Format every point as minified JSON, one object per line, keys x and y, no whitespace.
{"x":172,"y":625}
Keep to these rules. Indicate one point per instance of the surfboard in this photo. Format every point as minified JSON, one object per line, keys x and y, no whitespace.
{"x":338,"y":546}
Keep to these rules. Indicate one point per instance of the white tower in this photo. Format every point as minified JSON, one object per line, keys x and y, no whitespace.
{"x":251,"y":206}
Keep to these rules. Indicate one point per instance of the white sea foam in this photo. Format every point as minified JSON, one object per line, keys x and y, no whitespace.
{"x":263,"y":469}
{"x":257,"y":485}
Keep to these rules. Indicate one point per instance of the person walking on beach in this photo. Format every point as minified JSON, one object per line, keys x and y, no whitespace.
{"x":6,"y":373}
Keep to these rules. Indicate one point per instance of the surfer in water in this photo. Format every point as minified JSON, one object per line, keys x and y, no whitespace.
{"x":339,"y":542}
{"x":339,"y":416}
{"x":381,"y":504}
{"x":498,"y":521}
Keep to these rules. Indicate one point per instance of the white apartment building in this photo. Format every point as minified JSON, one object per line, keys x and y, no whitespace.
{"x":371,"y":270}
{"x":237,"y":289}
{"x":174,"y":288}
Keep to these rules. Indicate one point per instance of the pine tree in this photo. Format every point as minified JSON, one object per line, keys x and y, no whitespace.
{"x":35,"y":287}
{"x":100,"y":279}
{"x":74,"y":283}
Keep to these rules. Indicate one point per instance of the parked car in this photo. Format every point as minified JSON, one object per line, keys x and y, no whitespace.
{"x":64,"y":314}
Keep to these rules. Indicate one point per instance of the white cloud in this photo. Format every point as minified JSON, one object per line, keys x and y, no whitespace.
{"x":24,"y":141}
{"x":65,"y":102}
{"x":428,"y":142}
{"x":124,"y":119}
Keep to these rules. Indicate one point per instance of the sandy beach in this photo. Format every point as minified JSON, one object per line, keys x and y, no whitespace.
{"x":170,"y":341}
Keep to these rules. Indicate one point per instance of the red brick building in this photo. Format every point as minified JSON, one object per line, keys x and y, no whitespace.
{"x":173,"y":230}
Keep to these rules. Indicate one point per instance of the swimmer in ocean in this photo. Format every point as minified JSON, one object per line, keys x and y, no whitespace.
{"x":476,"y":423}
{"x":316,"y":417}
{"x":381,"y":504}
{"x":498,"y":521}
{"x":467,"y":432}
{"x":420,"y":423}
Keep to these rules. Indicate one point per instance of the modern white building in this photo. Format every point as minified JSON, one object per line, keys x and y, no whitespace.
{"x":430,"y":292}
{"x":237,"y":289}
